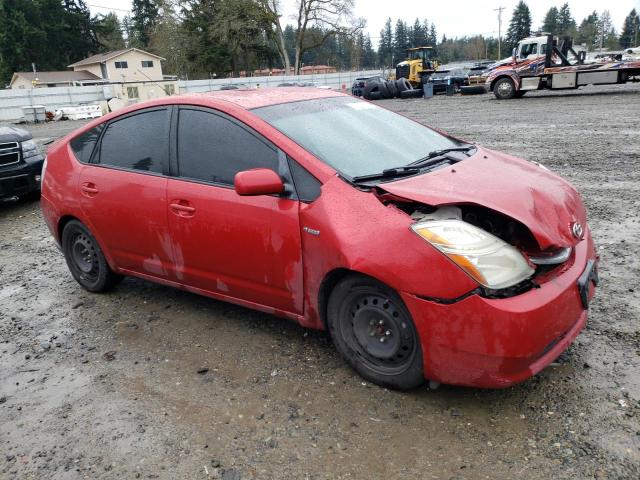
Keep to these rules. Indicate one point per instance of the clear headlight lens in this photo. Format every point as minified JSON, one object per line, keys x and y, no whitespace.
{"x":29,"y":148}
{"x":487,"y":259}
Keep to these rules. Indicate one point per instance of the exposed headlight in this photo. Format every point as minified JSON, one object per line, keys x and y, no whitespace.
{"x":484,"y":257}
{"x":29,"y":148}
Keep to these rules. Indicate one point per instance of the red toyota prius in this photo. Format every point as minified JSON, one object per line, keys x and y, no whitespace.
{"x":424,"y":256}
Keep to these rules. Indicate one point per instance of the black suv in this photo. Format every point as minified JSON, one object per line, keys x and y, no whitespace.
{"x":20,"y":163}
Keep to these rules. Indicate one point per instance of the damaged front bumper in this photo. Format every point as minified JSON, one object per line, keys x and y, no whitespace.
{"x":493,"y":343}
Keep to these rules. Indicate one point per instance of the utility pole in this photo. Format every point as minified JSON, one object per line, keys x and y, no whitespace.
{"x":499,"y":10}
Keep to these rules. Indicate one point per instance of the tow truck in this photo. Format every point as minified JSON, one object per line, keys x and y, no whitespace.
{"x":547,"y":62}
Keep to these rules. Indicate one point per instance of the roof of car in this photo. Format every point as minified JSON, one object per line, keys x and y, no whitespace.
{"x":263,"y":97}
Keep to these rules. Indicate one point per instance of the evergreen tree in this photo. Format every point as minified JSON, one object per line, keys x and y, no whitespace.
{"x":588,"y":31}
{"x":143,"y":19}
{"x":385,"y":49}
{"x":50,"y":33}
{"x":109,"y":32}
{"x":418,"y":36}
{"x":400,"y":42}
{"x":520,"y":25}
{"x":433,"y":36}
{"x":566,"y":23}
{"x":551,"y":20}
{"x":368,"y":54}
{"x":631,"y":30}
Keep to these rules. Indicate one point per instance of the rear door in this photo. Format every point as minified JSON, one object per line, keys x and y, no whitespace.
{"x":246,"y":248}
{"x":123,"y":191}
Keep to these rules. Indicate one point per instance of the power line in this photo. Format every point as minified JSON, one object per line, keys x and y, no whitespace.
{"x":108,"y":8}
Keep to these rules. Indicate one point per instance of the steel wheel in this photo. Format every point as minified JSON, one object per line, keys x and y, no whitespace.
{"x":504,"y":89}
{"x":379,"y":333}
{"x":374,"y":332}
{"x":85,"y":260}
{"x":84,"y":257}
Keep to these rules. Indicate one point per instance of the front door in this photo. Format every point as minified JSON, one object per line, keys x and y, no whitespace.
{"x":123,"y":192}
{"x":245,"y":248}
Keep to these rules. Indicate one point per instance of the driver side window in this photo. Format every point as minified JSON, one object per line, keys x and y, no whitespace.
{"x":529,"y":49}
{"x":213,"y":148}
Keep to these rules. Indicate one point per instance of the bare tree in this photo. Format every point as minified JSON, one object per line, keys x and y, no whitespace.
{"x":332,"y":17}
{"x":272,"y":9}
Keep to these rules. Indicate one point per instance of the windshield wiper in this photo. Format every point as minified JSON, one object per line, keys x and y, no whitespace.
{"x":412,"y":168}
{"x":423,"y":162}
{"x":388,"y":173}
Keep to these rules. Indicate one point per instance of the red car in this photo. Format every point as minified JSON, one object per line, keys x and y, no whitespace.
{"x":424,"y":256}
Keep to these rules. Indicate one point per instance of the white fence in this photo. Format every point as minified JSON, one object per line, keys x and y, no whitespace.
{"x":12,"y":101}
{"x":333,"y":80}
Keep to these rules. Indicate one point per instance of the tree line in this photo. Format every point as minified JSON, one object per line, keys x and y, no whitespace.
{"x":218,"y":38}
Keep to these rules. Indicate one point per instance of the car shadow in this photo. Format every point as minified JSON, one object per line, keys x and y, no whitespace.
{"x":273,"y":329}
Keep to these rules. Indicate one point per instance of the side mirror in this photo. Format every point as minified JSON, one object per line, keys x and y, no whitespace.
{"x":258,"y":181}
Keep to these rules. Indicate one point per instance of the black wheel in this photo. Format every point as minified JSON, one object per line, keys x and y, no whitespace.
{"x":370,"y":88}
{"x":375,"y":95}
{"x":403,"y":84}
{"x":393,"y":89}
{"x":85,"y":259}
{"x":374,"y":333}
{"x":504,"y":89}
{"x":384,"y":90}
{"x":414,"y":93}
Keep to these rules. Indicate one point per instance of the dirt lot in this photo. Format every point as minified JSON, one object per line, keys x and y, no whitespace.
{"x":107,"y":386}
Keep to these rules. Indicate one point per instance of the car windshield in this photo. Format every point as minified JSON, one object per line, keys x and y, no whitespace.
{"x":355,"y":137}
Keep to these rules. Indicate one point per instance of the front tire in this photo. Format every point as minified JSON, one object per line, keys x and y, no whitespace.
{"x":504,"y":89}
{"x":86,"y":260}
{"x":373,"y":331}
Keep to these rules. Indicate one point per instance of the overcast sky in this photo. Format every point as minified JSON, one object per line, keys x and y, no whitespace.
{"x":460,"y":18}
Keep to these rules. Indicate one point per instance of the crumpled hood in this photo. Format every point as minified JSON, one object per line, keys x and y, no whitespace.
{"x":539,"y":199}
{"x":13,"y":134}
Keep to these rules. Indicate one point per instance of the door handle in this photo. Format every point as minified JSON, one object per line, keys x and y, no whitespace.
{"x":89,"y":189}
{"x":182,"y":208}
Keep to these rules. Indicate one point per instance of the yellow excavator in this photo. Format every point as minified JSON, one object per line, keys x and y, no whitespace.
{"x":419,"y":62}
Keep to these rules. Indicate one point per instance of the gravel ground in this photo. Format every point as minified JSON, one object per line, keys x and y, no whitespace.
{"x":150,"y":382}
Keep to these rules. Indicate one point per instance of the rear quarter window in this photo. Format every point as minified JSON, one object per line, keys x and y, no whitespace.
{"x":84,"y":145}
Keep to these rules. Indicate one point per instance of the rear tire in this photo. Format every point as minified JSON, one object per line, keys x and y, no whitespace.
{"x":86,"y":260}
{"x":504,"y":89}
{"x":373,"y":331}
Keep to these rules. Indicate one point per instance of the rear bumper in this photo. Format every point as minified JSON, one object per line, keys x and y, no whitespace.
{"x":495,"y":343}
{"x":21,"y":178}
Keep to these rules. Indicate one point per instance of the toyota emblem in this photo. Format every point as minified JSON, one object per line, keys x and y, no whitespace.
{"x":577,"y":230}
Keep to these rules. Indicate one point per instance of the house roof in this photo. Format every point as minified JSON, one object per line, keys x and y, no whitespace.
{"x":57,"y":77}
{"x":103,"y":57}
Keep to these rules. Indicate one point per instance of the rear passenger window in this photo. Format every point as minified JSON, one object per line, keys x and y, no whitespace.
{"x":138,"y":142}
{"x":83,"y":145}
{"x":213,"y":148}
